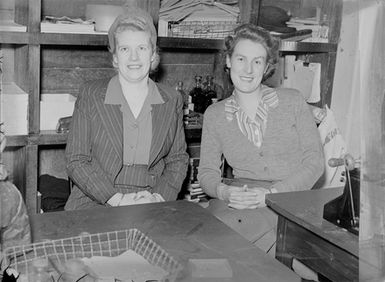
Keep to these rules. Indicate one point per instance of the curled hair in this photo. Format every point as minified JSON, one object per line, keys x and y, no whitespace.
{"x":258,"y":35}
{"x":134,"y":19}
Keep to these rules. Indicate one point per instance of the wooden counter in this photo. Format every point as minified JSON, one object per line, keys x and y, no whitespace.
{"x":303,"y":234}
{"x":184,"y":229}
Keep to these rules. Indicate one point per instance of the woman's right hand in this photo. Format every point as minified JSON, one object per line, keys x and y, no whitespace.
{"x":252,"y":198}
{"x":141,"y":197}
{"x":225,"y":192}
{"x":242,"y":197}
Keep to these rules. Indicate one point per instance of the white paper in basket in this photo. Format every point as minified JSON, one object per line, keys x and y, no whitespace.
{"x":129,"y":266}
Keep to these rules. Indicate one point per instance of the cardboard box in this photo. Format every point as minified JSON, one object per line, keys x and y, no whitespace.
{"x":53,"y":107}
{"x":14,"y":109}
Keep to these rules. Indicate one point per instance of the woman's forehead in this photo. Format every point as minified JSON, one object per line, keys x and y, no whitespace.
{"x":249,"y":48}
{"x":129,"y":36}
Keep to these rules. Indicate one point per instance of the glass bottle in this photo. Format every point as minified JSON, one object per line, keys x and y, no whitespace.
{"x":40,"y":271}
{"x":185,"y":96}
{"x":197,"y":95}
{"x":209,"y":91}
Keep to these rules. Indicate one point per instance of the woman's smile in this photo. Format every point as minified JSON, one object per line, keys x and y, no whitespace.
{"x":247,"y":78}
{"x":134,"y":66}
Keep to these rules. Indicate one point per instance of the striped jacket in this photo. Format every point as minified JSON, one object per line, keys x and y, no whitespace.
{"x":94,"y":149}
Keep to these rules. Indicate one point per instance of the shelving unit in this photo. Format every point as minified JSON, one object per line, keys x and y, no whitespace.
{"x":32,"y":47}
{"x":163,"y":42}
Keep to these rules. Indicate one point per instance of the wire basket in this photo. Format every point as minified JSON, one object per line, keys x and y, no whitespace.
{"x":201,"y":29}
{"x":108,"y":244}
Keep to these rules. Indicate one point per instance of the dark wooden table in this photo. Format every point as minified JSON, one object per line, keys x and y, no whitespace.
{"x":303,"y":234}
{"x":185,"y":230}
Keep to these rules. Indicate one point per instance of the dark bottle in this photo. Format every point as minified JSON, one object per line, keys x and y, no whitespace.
{"x":210,"y":92}
{"x":197,"y":95}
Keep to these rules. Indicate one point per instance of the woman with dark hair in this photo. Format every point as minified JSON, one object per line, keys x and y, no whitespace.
{"x":267,"y":135}
{"x":126,"y":143}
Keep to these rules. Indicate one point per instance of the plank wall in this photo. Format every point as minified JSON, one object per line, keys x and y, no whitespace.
{"x":66,"y":68}
{"x":7,"y":9}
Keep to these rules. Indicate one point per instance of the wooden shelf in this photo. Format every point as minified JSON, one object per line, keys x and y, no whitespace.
{"x":14,"y":37}
{"x":50,"y":137}
{"x":16,"y":140}
{"x":218,"y":44}
{"x":72,"y":39}
{"x":163,"y":42}
{"x":45,"y":137}
{"x":190,"y":43}
{"x":308,"y":47}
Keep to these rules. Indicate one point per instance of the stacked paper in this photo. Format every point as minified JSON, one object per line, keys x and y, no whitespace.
{"x":66,"y":25}
{"x":14,"y":109}
{"x":320,"y":33}
{"x":115,"y":268}
{"x":194,"y":190}
{"x":48,"y":27}
{"x":53,"y":107}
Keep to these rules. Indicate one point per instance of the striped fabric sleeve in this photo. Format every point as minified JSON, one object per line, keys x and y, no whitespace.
{"x":170,"y":182}
{"x":82,"y":168}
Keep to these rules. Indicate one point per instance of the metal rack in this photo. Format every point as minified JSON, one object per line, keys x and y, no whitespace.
{"x":109,"y":244}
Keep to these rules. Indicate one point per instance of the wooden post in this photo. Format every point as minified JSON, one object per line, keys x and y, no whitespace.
{"x":31,"y":171}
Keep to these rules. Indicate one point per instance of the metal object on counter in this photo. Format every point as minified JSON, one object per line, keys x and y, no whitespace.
{"x":63,"y":125}
{"x":344,"y":211}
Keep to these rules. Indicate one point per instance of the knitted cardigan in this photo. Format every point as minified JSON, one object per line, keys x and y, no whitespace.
{"x":290,"y":157}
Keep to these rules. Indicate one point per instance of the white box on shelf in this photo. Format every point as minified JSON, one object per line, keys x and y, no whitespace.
{"x":162,"y":28}
{"x":53,"y":107}
{"x":14,"y":109}
{"x":8,"y":25}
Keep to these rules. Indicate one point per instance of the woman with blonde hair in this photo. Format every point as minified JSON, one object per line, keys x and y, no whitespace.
{"x":126,"y":143}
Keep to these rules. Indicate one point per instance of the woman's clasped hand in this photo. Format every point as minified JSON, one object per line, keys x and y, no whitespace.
{"x":141,"y":197}
{"x":244,"y":197}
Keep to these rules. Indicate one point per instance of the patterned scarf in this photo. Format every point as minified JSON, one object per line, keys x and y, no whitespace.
{"x":254,"y":130}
